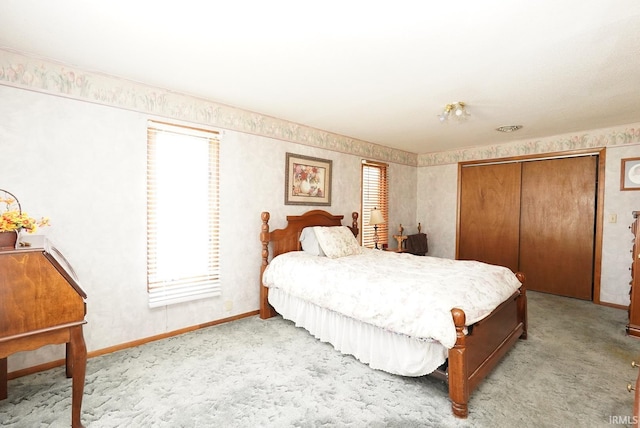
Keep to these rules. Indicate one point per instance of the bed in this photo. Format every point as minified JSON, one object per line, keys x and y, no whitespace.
{"x":461,"y":356}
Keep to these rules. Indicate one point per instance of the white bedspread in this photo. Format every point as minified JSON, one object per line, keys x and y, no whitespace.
{"x":402,"y":293}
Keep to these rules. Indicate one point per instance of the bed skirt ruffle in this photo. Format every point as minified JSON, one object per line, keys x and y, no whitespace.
{"x":380,"y":349}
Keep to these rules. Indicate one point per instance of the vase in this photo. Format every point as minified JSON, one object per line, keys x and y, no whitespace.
{"x":305,"y":187}
{"x":8,"y":240}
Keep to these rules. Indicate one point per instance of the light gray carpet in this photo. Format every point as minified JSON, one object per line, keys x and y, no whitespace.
{"x":572,"y":371}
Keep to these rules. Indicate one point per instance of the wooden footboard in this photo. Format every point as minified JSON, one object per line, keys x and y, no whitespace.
{"x":476,"y":353}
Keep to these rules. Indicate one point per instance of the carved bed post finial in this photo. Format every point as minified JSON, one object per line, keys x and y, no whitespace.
{"x":354,"y":223}
{"x":264,"y":237}
{"x":459,"y":319}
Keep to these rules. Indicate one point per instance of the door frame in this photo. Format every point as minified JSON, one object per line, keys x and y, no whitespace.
{"x":599,"y":214}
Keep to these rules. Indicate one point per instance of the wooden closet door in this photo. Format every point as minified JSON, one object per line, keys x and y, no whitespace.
{"x":557,"y":228}
{"x":488,"y":226}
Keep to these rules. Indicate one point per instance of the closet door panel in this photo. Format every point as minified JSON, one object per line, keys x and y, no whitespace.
{"x":557,"y":225}
{"x":489,"y":214}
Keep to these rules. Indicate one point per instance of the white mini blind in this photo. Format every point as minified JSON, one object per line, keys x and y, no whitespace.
{"x":183,"y":253}
{"x":375,"y":194}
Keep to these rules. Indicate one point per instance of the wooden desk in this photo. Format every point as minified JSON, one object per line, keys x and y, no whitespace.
{"x":41,"y":303}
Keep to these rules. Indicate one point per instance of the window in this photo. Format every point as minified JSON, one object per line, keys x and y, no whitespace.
{"x":182,"y":214}
{"x":374,"y":195}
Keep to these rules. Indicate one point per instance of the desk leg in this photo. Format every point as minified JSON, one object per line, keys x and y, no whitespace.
{"x":78,"y":355}
{"x":3,"y":378}
{"x":68,"y":360}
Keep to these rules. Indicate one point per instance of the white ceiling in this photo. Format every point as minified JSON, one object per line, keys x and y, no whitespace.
{"x":375,"y":71}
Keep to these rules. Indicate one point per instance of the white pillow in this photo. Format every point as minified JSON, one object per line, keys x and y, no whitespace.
{"x":310,"y":242}
{"x":337,"y":241}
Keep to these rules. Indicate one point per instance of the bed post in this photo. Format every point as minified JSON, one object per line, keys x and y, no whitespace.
{"x":354,"y":224}
{"x":266,"y":311}
{"x":522,"y":304}
{"x":458,"y":377}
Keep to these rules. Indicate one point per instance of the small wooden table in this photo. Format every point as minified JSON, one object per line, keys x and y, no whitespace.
{"x":41,"y":303}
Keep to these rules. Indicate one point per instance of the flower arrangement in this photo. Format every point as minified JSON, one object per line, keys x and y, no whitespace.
{"x":306,"y":180}
{"x":13,"y":219}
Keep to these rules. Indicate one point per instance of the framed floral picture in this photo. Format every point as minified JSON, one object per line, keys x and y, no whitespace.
{"x":307,"y":180}
{"x":630,"y":174}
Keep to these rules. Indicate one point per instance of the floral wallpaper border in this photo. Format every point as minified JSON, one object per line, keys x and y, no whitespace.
{"x":21,"y":71}
{"x":630,"y":134}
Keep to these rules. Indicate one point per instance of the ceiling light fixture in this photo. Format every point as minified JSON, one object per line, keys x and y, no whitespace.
{"x":454,"y":111}
{"x":509,"y":128}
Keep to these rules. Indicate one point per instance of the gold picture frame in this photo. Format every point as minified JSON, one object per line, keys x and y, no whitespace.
{"x":307,"y":180}
{"x":630,"y":174}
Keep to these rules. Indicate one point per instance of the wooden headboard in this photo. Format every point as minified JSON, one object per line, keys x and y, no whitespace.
{"x":288,"y":239}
